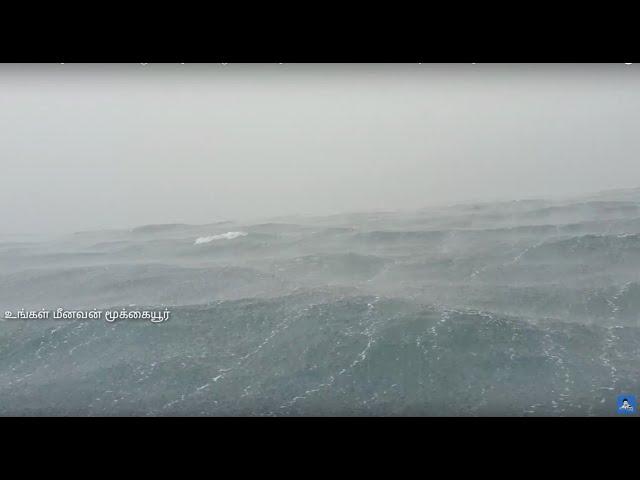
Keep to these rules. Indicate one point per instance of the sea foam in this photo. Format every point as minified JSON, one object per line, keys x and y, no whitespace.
{"x":223,"y":236}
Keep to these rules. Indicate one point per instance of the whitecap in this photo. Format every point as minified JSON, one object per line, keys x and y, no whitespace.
{"x":223,"y":236}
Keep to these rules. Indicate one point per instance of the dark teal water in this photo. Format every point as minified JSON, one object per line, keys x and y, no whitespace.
{"x":513,"y":308}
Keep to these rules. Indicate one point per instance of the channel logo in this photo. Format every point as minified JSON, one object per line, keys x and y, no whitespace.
{"x":627,"y":404}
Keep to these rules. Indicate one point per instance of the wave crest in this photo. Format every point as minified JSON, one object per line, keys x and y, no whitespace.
{"x":223,"y":236}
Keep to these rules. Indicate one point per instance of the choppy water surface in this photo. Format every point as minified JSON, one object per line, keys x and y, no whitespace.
{"x":512,"y":308}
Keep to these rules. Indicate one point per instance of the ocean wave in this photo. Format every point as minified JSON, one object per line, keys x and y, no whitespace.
{"x":511,"y":308}
{"x":288,"y":356}
{"x":223,"y":236}
{"x":583,"y":247}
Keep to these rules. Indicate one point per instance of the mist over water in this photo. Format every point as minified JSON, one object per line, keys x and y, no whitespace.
{"x":89,"y":147}
{"x":488,"y":265}
{"x":514,"y":308}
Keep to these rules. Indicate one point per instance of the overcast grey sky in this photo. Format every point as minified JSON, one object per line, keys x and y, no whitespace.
{"x":111,"y":146}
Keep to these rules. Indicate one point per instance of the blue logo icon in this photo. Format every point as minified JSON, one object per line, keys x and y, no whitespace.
{"x":627,"y":404}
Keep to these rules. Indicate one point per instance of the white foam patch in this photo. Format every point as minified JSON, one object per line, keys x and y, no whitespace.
{"x":224,"y":236}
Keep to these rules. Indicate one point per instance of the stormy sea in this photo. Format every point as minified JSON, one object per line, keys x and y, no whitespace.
{"x":512,"y":308}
